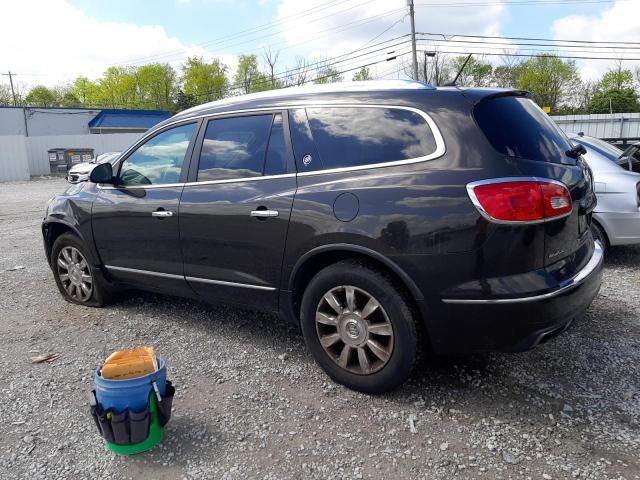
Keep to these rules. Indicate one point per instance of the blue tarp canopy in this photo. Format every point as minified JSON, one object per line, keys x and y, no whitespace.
{"x":115,"y":118}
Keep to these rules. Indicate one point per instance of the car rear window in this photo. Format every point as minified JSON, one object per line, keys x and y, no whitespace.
{"x":630,"y":159}
{"x":517,"y":127}
{"x":354,"y":137}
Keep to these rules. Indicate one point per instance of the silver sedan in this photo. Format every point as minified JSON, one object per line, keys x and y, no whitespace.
{"x":616,"y":177}
{"x":80,"y":172}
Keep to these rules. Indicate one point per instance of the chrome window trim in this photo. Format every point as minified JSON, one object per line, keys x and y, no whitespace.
{"x":594,"y":262}
{"x":437,"y":135}
{"x":191,"y":279}
{"x":474,"y":199}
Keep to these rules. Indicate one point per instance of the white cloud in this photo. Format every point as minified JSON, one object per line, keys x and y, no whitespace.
{"x":60,"y":42}
{"x":350,"y":28}
{"x":616,"y":23}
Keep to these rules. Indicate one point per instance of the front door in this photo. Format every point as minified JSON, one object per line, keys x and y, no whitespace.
{"x":234,"y":213}
{"x":136,"y":221}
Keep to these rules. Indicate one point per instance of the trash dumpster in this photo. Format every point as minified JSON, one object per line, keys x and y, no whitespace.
{"x":62,"y":159}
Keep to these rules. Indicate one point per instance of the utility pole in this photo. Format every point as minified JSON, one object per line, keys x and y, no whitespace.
{"x":424,"y":67}
{"x":15,"y":102}
{"x":13,"y":92}
{"x":413,"y":39}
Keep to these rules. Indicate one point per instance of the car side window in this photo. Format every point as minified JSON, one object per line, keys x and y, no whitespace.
{"x":159,"y":160}
{"x":234,"y":147}
{"x":357,"y":136}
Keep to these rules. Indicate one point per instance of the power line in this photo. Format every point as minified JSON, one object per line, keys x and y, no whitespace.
{"x":324,"y":64}
{"x":338,"y":28}
{"x":247,"y":31}
{"x":541,"y":51}
{"x":529,"y":39}
{"x":507,"y":54}
{"x":513,"y":44}
{"x":306,"y":70}
{"x":516,"y":2}
{"x":262,"y":37}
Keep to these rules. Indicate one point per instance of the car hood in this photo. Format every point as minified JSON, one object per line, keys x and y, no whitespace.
{"x":82,"y":168}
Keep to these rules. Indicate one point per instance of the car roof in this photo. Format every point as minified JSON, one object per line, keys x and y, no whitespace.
{"x":330,"y":92}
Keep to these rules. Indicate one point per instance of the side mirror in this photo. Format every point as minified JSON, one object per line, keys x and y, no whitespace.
{"x":102,"y":173}
{"x":576,"y":151}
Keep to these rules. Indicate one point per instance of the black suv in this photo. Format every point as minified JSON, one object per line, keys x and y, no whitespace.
{"x":382,"y":217}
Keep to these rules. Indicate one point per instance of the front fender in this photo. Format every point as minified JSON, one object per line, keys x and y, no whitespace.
{"x":70,"y":212}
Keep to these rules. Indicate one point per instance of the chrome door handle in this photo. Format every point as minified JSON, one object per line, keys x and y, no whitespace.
{"x":264,"y":213}
{"x":162,"y":214}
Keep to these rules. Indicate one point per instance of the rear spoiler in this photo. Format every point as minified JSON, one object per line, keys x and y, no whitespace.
{"x":479,"y":95}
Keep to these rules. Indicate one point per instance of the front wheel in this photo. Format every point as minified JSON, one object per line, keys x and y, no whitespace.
{"x":359,"y":327}
{"x":76,"y":279}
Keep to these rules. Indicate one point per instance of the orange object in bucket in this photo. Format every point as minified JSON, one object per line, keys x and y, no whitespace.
{"x":132,"y":363}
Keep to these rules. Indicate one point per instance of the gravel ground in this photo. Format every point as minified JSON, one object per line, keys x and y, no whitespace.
{"x":251,"y":403}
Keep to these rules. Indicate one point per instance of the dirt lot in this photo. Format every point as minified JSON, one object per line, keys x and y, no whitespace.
{"x":252,"y":403}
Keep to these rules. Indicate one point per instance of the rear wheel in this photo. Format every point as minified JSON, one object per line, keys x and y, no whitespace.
{"x":599,"y":234}
{"x":76,"y":279}
{"x":359,"y":327}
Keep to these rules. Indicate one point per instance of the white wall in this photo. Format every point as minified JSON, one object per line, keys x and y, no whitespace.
{"x":37,"y":147}
{"x":13,"y":158}
{"x":22,"y":156}
{"x":602,"y":125}
{"x":45,"y":121}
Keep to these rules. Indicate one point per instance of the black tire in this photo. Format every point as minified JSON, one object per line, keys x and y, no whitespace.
{"x":99,"y":294}
{"x":600,"y":235}
{"x":395,"y":308}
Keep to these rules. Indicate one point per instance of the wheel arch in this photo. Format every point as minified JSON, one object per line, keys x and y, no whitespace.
{"x":52,"y":229}
{"x":320,"y":257}
{"x":598,"y":220}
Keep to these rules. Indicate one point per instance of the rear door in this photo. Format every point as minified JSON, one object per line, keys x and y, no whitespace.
{"x":527,"y":137}
{"x":234,"y":213}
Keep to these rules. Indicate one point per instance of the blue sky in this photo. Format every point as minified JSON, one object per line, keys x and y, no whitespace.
{"x":198,"y":21}
{"x":72,"y":37}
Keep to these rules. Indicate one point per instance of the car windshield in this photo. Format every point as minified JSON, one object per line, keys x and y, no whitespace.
{"x":106,"y":157}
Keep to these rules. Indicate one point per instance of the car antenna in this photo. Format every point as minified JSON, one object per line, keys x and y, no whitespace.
{"x":453,"y":84}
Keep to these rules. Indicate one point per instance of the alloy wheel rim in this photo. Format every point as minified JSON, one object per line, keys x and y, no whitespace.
{"x":74,"y":274}
{"x":354,"y":330}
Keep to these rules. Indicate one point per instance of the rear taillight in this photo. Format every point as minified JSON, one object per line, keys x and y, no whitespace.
{"x":521,"y":200}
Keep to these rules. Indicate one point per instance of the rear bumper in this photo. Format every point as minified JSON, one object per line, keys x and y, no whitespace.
{"x":622,"y":228}
{"x":516,"y":322}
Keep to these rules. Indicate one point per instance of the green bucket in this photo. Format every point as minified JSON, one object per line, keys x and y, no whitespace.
{"x":156,"y":433}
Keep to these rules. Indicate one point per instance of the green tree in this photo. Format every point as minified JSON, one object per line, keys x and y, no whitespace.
{"x":202,"y":81}
{"x":615,"y":91}
{"x":327,"y":74}
{"x":41,"y":96}
{"x":156,"y":86}
{"x":184,"y":101}
{"x":117,"y":88}
{"x":550,"y":79}
{"x":362,"y":74}
{"x":6,"y":97}
{"x":86,"y":91}
{"x":65,"y":96}
{"x":248,"y":77}
{"x":476,"y":73}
